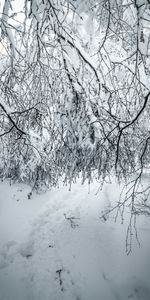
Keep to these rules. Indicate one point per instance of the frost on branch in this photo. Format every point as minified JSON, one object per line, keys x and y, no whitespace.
{"x":76,"y":79}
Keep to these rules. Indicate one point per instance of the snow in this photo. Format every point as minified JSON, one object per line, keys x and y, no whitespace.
{"x":54,"y":246}
{"x":8,"y":110}
{"x":5,"y":27}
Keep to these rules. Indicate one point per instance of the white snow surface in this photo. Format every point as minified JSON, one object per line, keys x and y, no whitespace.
{"x":45,"y":257}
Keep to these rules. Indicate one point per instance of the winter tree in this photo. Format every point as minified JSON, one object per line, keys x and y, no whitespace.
{"x":75,"y":93}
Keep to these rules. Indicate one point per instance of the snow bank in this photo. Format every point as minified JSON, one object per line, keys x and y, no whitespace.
{"x":54,"y":246}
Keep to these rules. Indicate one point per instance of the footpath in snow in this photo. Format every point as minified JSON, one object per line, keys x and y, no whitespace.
{"x":54,"y":246}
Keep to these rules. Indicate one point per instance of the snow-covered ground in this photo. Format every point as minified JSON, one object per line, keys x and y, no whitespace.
{"x":55,"y":247}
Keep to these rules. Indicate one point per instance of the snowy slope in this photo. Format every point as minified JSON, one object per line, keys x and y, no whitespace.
{"x":54,"y":246}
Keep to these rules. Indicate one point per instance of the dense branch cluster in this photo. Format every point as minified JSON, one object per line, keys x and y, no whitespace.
{"x":75,"y":91}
